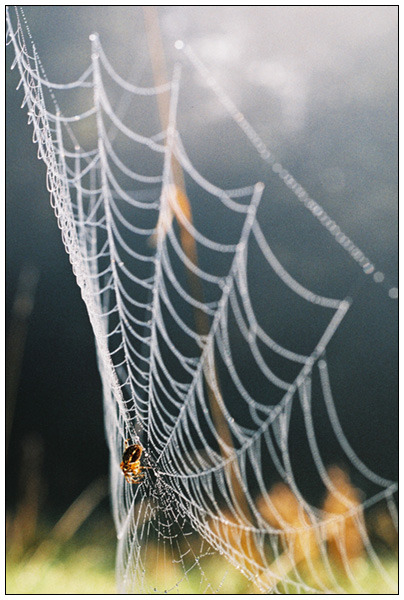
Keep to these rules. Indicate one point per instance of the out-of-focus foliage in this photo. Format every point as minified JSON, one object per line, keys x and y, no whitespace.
{"x":83,"y":565}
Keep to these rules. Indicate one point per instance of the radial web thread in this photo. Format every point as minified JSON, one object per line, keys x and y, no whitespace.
{"x":173,"y":303}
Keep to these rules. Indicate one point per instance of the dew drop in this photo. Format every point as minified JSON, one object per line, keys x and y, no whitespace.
{"x":378,"y":277}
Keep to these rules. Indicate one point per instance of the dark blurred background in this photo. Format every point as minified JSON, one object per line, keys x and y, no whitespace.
{"x":320,"y":86}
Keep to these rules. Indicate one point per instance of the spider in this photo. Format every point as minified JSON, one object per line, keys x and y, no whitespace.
{"x":130,"y":465}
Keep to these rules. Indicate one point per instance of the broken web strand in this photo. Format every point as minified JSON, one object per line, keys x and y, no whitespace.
{"x":287,"y":178}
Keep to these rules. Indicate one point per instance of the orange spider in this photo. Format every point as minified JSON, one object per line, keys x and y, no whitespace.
{"x":130,"y":465}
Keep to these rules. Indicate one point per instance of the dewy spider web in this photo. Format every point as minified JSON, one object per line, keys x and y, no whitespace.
{"x":174,"y":312}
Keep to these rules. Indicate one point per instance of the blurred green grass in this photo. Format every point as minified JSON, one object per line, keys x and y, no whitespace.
{"x":89,"y":569}
{"x":84,"y":571}
{"x":71,"y":554}
{"x":85,"y":564}
{"x":76,"y":555}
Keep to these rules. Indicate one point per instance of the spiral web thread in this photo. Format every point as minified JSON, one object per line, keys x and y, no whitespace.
{"x":168,"y":353}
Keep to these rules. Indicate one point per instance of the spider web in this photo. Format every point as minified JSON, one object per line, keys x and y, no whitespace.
{"x":193,"y":369}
